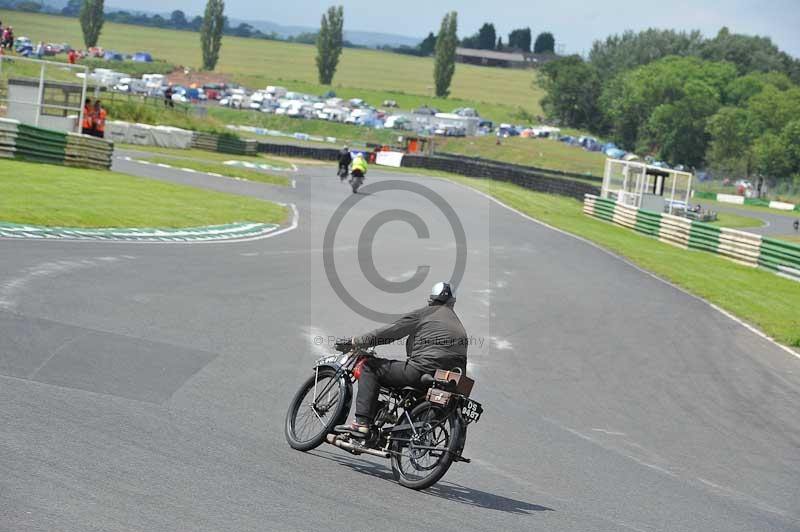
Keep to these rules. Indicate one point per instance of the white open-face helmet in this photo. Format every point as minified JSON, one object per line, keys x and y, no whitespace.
{"x":441,"y":293}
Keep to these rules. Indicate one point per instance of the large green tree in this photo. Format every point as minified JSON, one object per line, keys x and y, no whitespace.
{"x":520,"y":39}
{"x":731,"y":137}
{"x":91,"y":17}
{"x":750,"y":53}
{"x":545,"y":43}
{"x":445,"y":59}
{"x":487,"y":37}
{"x":211,"y":32}
{"x":573,"y":90}
{"x":329,"y":43}
{"x":629,"y":100}
{"x":618,"y":53}
{"x":428,"y":44}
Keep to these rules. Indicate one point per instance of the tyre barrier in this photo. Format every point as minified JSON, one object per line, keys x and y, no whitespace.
{"x":224,"y":144}
{"x":34,"y":144}
{"x":526,"y":178}
{"x":742,"y":247}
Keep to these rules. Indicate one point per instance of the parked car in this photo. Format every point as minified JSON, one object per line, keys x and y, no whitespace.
{"x":390,"y":103}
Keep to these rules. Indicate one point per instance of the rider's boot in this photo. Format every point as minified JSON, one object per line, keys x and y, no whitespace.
{"x":359,"y":428}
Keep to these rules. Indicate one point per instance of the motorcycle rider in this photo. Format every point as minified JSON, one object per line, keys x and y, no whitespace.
{"x":344,"y":159}
{"x":436,"y":340}
{"x":359,"y":165}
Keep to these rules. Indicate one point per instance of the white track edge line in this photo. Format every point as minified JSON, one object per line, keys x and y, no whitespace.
{"x":719,"y":309}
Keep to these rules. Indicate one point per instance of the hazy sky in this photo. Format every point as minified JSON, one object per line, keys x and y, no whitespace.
{"x":575,"y":23}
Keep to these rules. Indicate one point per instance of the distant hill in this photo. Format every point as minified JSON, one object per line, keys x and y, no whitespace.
{"x":362,"y":38}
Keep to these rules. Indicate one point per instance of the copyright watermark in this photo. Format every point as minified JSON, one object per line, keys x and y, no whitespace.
{"x":366,"y":238}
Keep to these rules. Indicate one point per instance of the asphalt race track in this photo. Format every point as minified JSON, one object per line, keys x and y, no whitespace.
{"x":144,"y":386}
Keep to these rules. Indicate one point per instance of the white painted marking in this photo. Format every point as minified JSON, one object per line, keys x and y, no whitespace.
{"x":294,"y":183}
{"x":609,"y":432}
{"x":501,"y":344}
{"x":722,"y":311}
{"x":162,"y":165}
{"x":781,"y":205}
{"x":215,"y":175}
{"x":190,"y":170}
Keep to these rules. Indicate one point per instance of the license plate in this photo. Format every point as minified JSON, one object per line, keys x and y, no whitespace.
{"x":471,"y":411}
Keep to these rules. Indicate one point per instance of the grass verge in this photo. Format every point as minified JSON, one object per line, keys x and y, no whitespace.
{"x":736,"y":221}
{"x":48,"y":195}
{"x":759,"y":297}
{"x":544,"y":153}
{"x":222,"y":169}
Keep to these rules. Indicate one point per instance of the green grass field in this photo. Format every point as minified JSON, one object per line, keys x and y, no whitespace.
{"x":544,"y":153}
{"x":766,"y":300}
{"x":369,"y":74}
{"x":753,"y":208}
{"x":72,"y":197}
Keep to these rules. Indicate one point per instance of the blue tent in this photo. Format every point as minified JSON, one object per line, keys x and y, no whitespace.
{"x":615,"y":153}
{"x":142,"y":57}
{"x":113,"y":56}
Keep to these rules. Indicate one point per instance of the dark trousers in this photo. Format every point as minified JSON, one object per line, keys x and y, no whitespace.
{"x":377,"y":372}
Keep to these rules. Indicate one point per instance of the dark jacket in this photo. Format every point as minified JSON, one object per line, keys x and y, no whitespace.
{"x":345,"y":158}
{"x":436,"y":338}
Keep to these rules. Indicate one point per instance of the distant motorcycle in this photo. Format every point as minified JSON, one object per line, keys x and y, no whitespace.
{"x":422,"y":429}
{"x":356,"y":180}
{"x":343,"y":172}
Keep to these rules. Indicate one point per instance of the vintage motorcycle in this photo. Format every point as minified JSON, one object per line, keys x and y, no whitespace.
{"x":421,"y":429}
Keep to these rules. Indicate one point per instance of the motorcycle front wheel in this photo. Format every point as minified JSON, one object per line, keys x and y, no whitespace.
{"x":422,"y":462}
{"x":315,"y":409}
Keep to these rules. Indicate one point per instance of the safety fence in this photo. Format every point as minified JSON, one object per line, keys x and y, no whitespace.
{"x":293,"y":150}
{"x":530,"y":179}
{"x":741,"y":200}
{"x":745,"y":248}
{"x":34,"y":144}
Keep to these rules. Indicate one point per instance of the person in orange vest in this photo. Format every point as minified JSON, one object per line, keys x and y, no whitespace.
{"x":87,"y":127}
{"x":100,"y":115}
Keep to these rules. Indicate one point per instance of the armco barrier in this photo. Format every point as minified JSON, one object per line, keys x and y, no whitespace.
{"x":526,"y":168}
{"x":745,"y":248}
{"x":529,"y":179}
{"x":34,"y":144}
{"x":291,"y":150}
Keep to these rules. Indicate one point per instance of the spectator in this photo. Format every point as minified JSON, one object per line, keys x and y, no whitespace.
{"x":87,"y":127}
{"x":168,"y":92}
{"x":39,"y":50}
{"x":99,"y":116}
{"x":71,"y":57}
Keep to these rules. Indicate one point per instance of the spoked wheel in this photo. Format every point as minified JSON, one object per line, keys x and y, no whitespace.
{"x":422,"y":461}
{"x":316,"y":408}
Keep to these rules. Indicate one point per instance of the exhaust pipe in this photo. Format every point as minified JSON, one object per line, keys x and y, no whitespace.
{"x":353,"y":448}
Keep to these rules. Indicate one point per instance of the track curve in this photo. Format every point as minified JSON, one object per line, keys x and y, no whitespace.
{"x":144,"y":387}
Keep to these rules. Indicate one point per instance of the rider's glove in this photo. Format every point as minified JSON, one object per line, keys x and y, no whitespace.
{"x":344,"y":344}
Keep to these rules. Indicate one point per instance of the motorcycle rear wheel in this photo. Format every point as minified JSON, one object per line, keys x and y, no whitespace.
{"x":308,"y":421}
{"x":422,"y":468}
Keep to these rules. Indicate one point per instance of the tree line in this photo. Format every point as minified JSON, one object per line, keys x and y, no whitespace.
{"x":486,"y":38}
{"x":730,"y":104}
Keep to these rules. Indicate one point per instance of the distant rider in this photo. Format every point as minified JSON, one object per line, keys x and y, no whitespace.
{"x":436,"y":340}
{"x":344,"y":162}
{"x":359,"y":168}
